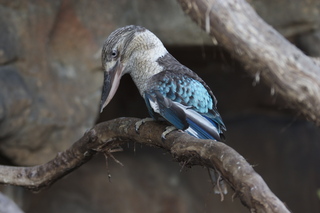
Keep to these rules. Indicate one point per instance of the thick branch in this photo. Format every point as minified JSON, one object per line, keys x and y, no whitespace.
{"x":265,"y":52}
{"x":248,"y":185}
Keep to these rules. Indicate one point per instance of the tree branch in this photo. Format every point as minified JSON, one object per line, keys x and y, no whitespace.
{"x":265,"y":53}
{"x":248,"y":185}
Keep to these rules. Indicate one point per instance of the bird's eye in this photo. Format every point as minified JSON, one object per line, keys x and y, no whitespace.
{"x":114,"y":53}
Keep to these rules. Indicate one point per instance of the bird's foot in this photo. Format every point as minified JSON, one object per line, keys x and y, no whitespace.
{"x":167,"y":131}
{"x":142,"y":121}
{"x":219,"y":185}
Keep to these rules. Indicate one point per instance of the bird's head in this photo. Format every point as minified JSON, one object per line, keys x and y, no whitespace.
{"x":122,"y":53}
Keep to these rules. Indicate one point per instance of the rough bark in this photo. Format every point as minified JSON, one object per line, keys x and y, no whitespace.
{"x":104,"y":137}
{"x":267,"y":55}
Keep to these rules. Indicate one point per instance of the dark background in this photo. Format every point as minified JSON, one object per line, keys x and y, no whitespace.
{"x":50,"y":86}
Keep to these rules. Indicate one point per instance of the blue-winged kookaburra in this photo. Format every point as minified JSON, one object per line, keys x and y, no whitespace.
{"x":171,"y":91}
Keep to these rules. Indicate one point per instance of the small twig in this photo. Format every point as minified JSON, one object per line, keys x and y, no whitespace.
{"x":107,"y":165}
{"x":115,"y":160}
{"x":219,"y":181}
{"x":184,"y":163}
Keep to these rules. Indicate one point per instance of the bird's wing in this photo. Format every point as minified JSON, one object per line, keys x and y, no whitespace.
{"x":173,"y":67}
{"x":213,"y":113}
{"x":183,"y":117}
{"x":185,"y":103}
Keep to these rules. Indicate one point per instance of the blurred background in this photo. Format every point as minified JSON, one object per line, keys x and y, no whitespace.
{"x":50,"y":87}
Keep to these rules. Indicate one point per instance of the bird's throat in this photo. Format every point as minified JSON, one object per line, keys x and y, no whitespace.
{"x":145,"y":67}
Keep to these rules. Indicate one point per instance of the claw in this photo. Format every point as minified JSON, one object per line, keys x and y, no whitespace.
{"x":139,"y":123}
{"x":167,"y":131}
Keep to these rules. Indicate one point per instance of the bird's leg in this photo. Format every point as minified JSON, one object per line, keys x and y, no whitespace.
{"x":167,"y":131}
{"x":142,"y":121}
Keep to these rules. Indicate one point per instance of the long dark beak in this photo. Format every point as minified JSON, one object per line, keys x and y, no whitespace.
{"x":110,"y":84}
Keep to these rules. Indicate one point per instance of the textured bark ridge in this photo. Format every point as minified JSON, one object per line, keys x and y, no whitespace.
{"x":105,"y":137}
{"x":267,"y":55}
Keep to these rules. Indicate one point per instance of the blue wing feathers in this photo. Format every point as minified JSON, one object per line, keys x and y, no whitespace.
{"x":198,"y":131}
{"x":165,"y":108}
{"x":184,"y":117}
{"x":185,"y":102}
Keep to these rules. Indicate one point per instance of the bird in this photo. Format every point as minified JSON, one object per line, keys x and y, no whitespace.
{"x":172,"y":92}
